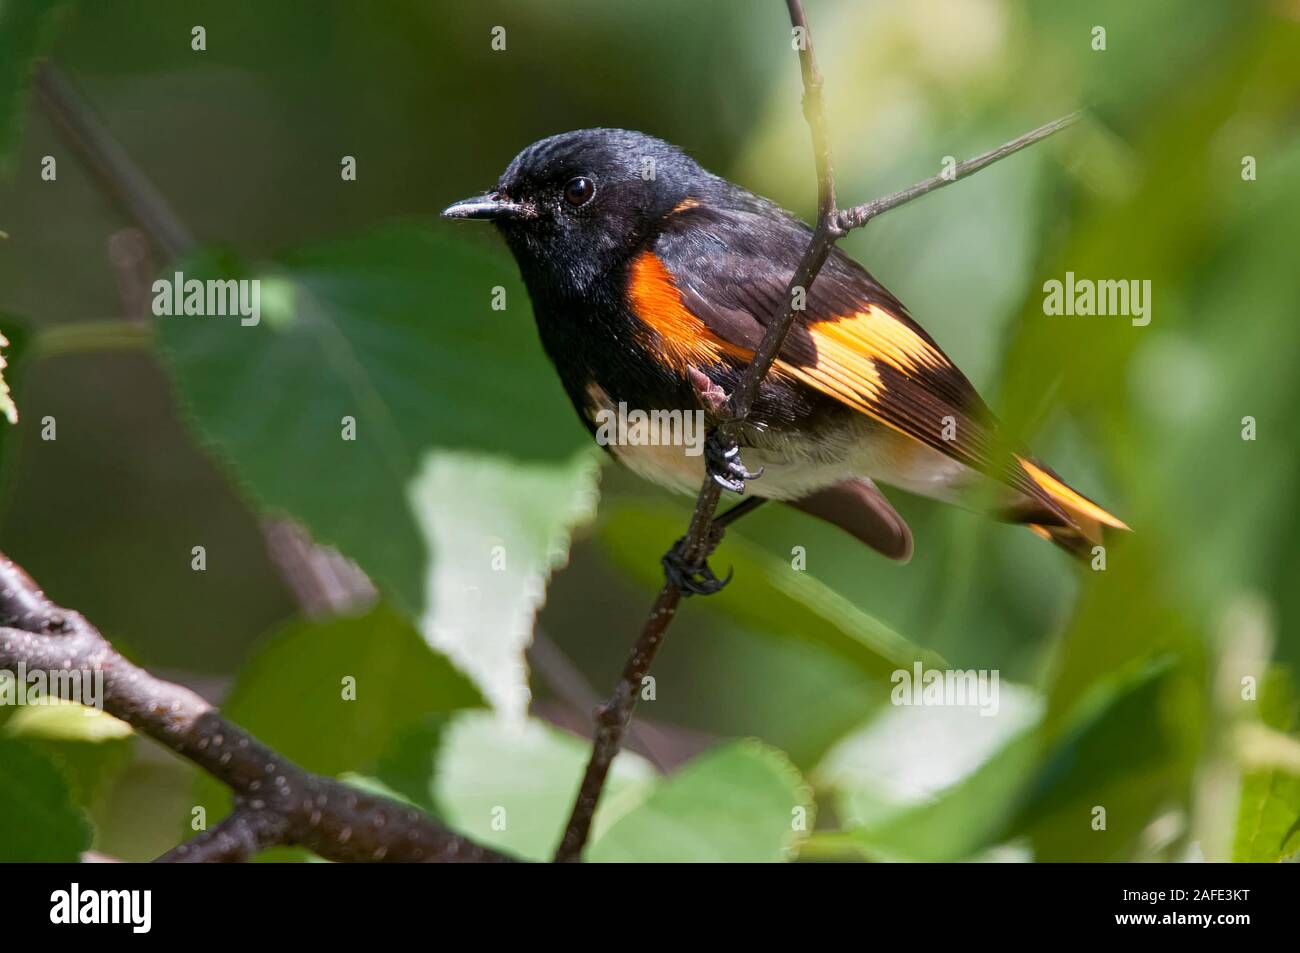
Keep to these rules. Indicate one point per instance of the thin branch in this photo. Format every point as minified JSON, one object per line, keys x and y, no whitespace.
{"x":325,"y":583}
{"x":557,"y":671}
{"x":611,"y":722}
{"x":277,"y":802}
{"x":813,"y":110}
{"x":322,"y":580}
{"x":704,"y":532}
{"x":110,"y":163}
{"x":238,"y":837}
{"x":134,"y":268}
{"x":859,"y":215}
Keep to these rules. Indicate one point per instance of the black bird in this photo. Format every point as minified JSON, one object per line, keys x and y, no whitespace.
{"x":652,"y":281}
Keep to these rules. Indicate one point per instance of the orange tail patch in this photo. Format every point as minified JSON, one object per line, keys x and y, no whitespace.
{"x":1085,"y":520}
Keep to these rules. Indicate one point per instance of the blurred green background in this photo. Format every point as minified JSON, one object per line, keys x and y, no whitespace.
{"x":1122,"y":689}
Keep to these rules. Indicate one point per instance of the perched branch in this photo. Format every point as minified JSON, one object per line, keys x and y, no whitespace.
{"x":277,"y":802}
{"x":704,"y":532}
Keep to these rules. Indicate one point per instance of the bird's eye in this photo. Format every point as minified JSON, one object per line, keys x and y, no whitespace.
{"x":579,"y":191}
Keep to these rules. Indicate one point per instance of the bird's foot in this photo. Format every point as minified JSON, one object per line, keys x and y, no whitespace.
{"x":694,"y":577}
{"x":722,"y":459}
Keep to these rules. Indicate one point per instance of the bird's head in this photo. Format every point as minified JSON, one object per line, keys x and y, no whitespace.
{"x":574,"y":206}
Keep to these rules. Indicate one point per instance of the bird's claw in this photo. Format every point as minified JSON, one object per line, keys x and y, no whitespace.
{"x":692,"y":578}
{"x":722,"y":458}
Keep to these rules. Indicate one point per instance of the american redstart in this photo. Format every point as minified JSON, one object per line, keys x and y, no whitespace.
{"x":652,"y":281}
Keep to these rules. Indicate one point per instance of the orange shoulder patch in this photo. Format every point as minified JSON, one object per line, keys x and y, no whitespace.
{"x":843,"y":367}
{"x":679,"y":338}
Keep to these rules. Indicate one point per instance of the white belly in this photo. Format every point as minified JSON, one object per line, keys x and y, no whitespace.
{"x":782,"y":478}
{"x":794,"y":468}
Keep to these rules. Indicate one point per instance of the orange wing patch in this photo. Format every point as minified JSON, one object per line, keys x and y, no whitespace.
{"x":850,"y":349}
{"x":841,"y":372}
{"x":878,"y":336}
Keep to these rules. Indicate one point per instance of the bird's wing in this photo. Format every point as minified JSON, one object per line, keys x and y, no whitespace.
{"x":713,"y":279}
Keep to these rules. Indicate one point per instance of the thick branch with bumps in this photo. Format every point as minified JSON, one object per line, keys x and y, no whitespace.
{"x":705,"y":532}
{"x":277,"y":802}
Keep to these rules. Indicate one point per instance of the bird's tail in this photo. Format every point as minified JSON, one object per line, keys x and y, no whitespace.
{"x":1061,"y":514}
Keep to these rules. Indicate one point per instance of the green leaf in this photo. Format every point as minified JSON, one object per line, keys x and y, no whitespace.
{"x":744,"y":802}
{"x":26,"y":29}
{"x":334,"y":695}
{"x":501,"y":528}
{"x":948,"y":805}
{"x":988,"y":781}
{"x":91,"y":746}
{"x":331,"y":695}
{"x":38,"y":819}
{"x":1268,"y":812}
{"x":1118,"y":749}
{"x":1125,"y":716}
{"x":766,"y":593}
{"x":1268,"y":817}
{"x":410,"y":765}
{"x":468,"y":469}
{"x":511,"y":785}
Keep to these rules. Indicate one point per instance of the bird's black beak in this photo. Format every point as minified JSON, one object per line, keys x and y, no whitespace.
{"x":491,"y":207}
